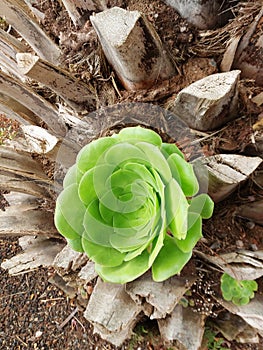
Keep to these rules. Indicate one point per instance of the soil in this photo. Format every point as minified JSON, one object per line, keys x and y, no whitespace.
{"x":33,"y":315}
{"x":33,"y":312}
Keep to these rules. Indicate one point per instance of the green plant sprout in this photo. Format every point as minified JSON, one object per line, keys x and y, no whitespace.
{"x":212,"y":341}
{"x":239,"y":292}
{"x":130,"y":203}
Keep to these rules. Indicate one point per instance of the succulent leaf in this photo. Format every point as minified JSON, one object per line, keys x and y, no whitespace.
{"x":239,"y":292}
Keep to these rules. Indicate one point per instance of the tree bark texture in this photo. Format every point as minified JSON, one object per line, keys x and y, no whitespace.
{"x":79,"y":10}
{"x":37,"y":104}
{"x":132,"y":47}
{"x":18,"y":15}
{"x":77,"y":94}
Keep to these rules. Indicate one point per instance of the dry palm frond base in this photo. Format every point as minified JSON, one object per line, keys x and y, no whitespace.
{"x":214,"y":42}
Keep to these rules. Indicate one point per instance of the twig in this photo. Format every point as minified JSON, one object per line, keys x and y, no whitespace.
{"x":208,"y":136}
{"x":75,"y":318}
{"x":51,"y":299}
{"x":73,"y":313}
{"x":25,"y":344}
{"x":115,"y":86}
{"x":11,"y":295}
{"x":25,"y":272}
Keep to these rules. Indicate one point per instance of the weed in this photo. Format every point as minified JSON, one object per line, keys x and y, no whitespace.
{"x":213,"y":342}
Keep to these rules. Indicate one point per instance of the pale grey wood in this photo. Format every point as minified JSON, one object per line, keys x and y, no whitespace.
{"x":33,"y":139}
{"x":210,"y":102}
{"x":38,"y":251}
{"x":34,"y":102}
{"x":221,"y":174}
{"x":20,"y":220}
{"x":132,"y":47}
{"x":21,"y":184}
{"x":240,"y":265}
{"x":9,"y":113}
{"x":204,"y":14}
{"x":12,"y":42}
{"x":77,"y":94}
{"x":65,"y":259}
{"x":15,"y":198}
{"x":21,"y":173}
{"x":79,"y":10}
{"x":17,"y":111}
{"x":18,"y":15}
{"x":9,"y":47}
{"x":88,"y":273}
{"x":21,"y":164}
{"x":9,"y":66}
{"x":30,"y":3}
{"x":229,"y":54}
{"x":252,"y":41}
{"x":251,"y":313}
{"x":233,"y":327}
{"x":185,"y":326}
{"x":112,"y":312}
{"x":251,"y":211}
{"x":162,"y":296}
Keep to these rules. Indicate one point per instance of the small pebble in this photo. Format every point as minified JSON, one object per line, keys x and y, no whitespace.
{"x":215,"y":245}
{"x":254,"y":247}
{"x":239,"y":244}
{"x":250,"y":224}
{"x":38,"y":334}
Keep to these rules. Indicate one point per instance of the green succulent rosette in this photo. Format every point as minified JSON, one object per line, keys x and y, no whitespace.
{"x":129,"y":203}
{"x":239,"y":292}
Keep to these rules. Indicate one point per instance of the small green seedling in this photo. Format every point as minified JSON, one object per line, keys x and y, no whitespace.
{"x":213,"y":342}
{"x":130,"y":202}
{"x":239,"y":292}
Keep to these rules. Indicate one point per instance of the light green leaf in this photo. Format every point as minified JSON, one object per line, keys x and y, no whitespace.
{"x":159,"y":185}
{"x":76,"y":244}
{"x":126,"y":272}
{"x":239,"y":292}
{"x":123,"y":152}
{"x":63,"y":226}
{"x":184,"y":174}
{"x":135,"y":219}
{"x":105,"y":256}
{"x":122,"y":178}
{"x":96,"y":228}
{"x":69,"y":212}
{"x":89,"y":155}
{"x":79,"y":175}
{"x":140,"y":134}
{"x":127,"y":205}
{"x":176,"y":207}
{"x":143,"y":172}
{"x":157,"y":243}
{"x":156,"y":160}
{"x":70,"y":177}
{"x":127,"y":239}
{"x":133,"y":253}
{"x":170,"y":148}
{"x":126,"y":195}
{"x":202,"y":205}
{"x":169,"y":261}
{"x":86,"y":189}
{"x":194,"y":233}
